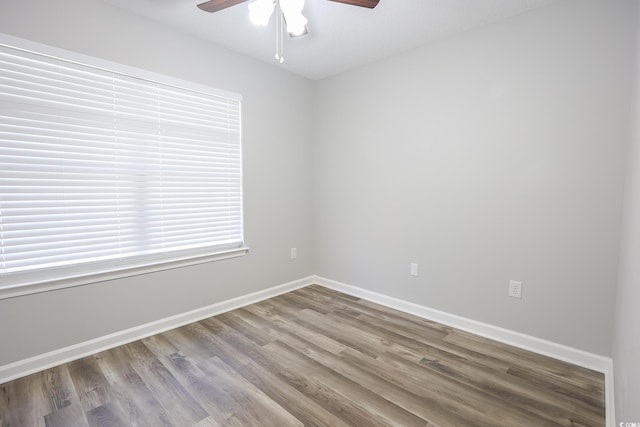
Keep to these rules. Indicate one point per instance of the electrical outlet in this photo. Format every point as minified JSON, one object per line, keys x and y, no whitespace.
{"x":413,"y":269}
{"x":515,"y":289}
{"x":294,"y":253}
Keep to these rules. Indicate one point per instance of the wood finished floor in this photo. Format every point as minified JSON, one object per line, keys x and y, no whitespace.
{"x":311,"y":357}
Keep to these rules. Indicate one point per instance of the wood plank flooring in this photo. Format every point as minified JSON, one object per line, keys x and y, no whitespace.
{"x":312,"y":357}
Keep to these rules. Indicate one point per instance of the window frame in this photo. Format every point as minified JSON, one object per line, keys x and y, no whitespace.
{"x":111,"y":272}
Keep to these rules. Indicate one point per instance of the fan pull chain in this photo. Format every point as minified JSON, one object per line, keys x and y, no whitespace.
{"x":279,"y":35}
{"x":277,"y":55}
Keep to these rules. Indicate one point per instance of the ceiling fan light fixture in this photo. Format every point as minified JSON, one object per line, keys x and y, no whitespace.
{"x":288,"y":13}
{"x":297,"y":32}
{"x":260,"y":12}
{"x":296,"y":21}
{"x":297,"y":27}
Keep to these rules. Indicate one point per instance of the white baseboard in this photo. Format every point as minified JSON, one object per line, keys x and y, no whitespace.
{"x":557,"y":351}
{"x":38,"y":363}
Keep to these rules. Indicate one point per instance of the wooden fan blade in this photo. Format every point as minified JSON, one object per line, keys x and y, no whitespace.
{"x":216,"y":5}
{"x":362,"y":3}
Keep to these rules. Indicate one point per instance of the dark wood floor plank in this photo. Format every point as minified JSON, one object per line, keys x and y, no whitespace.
{"x":312,"y":357}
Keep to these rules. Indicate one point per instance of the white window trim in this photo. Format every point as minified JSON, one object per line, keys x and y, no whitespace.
{"x":128,"y":271}
{"x":103,"y":276}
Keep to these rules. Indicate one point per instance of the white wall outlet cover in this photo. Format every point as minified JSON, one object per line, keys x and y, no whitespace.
{"x":413,"y":269}
{"x":294,"y":253}
{"x":515,"y":289}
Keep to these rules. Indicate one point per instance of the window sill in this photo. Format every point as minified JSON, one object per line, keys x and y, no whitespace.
{"x":70,"y":282}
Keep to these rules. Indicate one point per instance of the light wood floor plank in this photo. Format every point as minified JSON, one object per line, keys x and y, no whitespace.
{"x":138,"y":403}
{"x":475,"y":406}
{"x":366,"y":407}
{"x":280,"y":326}
{"x":311,"y":357}
{"x":107,"y":415}
{"x":71,"y":415}
{"x":304,"y":409}
{"x":90,"y":384}
{"x":179,"y":404}
{"x":248,"y":399}
{"x":58,"y":388}
{"x":24,"y":402}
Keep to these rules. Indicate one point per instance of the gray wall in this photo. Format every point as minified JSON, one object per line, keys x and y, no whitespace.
{"x":626,"y":341}
{"x":497,"y":154}
{"x":277,"y":159}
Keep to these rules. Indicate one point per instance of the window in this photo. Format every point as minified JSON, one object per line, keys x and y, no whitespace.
{"x":102,"y":170}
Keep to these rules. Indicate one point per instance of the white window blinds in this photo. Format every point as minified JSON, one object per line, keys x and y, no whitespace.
{"x":102,"y":171}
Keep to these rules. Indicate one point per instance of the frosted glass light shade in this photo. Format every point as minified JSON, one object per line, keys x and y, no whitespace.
{"x":296,"y":21}
{"x":260,"y":12}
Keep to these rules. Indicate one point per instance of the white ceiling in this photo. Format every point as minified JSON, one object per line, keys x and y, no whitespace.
{"x":341,"y":37}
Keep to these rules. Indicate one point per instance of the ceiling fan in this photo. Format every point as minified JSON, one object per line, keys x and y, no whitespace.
{"x":216,"y":5}
{"x":290,"y":11}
